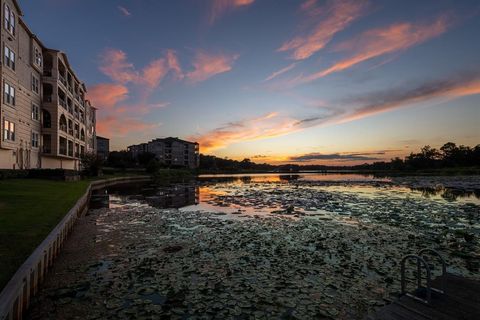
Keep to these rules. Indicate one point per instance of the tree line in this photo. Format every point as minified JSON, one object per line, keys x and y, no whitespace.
{"x":448,"y":156}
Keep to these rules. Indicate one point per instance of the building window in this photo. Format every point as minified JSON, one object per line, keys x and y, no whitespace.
{"x":35,"y":137}
{"x":8,"y":94}
{"x":38,"y":57}
{"x":63,"y":146}
{"x":9,"y":19}
{"x":9,"y":57}
{"x":35,"y":84}
{"x":47,"y":119}
{"x":35,"y":112}
{"x":47,"y":143}
{"x":70,"y":148}
{"x":63,"y":123}
{"x":8,"y":130}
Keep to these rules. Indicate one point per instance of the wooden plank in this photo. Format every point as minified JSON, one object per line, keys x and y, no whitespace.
{"x":461,"y":302}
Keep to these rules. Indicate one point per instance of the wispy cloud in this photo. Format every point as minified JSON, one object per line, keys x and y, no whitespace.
{"x":267,"y":126}
{"x":280,"y":72}
{"x":378,"y":102}
{"x":377,"y":42}
{"x":206,"y":65}
{"x":124,"y":11}
{"x":344,"y":157}
{"x":323,"y":23}
{"x":114,"y":125}
{"x":355,"y":108}
{"x":115,"y":64}
{"x":221,"y":7}
{"x":107,"y":95}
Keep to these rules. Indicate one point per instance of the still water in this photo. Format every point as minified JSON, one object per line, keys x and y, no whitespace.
{"x":236,"y":192}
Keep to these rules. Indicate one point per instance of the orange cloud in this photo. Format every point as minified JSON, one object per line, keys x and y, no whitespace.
{"x":272,"y":125}
{"x":377,"y":42}
{"x":207,"y":65}
{"x":266,"y":126}
{"x":112,"y":126}
{"x":116,"y":66}
{"x":335,"y":16}
{"x":220,"y":7}
{"x":107,"y":95}
{"x":394,"y":99}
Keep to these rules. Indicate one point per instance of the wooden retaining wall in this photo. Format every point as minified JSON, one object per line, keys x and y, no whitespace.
{"x":15,"y":297}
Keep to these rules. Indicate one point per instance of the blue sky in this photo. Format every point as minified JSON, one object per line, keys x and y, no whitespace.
{"x":272,"y":80}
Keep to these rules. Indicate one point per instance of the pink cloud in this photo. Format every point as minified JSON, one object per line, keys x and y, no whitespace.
{"x":325,"y":22}
{"x":114,"y":126}
{"x":114,"y":64}
{"x":280,"y":72}
{"x":124,"y":11}
{"x":373,"y":43}
{"x":267,"y":126}
{"x":220,"y":7}
{"x":207,"y":65}
{"x":107,"y":95}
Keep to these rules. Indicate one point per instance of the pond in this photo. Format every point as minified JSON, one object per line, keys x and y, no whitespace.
{"x":307,"y":246}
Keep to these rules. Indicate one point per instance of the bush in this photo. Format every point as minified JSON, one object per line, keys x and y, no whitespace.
{"x":91,"y":164}
{"x":13,"y":174}
{"x":153,"y":166}
{"x":53,"y":174}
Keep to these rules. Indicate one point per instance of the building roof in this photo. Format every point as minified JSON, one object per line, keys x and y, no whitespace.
{"x":102,"y":138}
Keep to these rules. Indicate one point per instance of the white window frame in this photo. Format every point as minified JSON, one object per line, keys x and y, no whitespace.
{"x":38,"y":57}
{"x":35,"y":84}
{"x":35,"y":139}
{"x":35,"y":112}
{"x":9,"y":19}
{"x":8,"y":130}
{"x":9,"y":57}
{"x":8,"y":94}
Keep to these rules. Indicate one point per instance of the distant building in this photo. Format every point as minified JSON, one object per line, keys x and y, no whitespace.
{"x":171,"y":152}
{"x":46,"y":122}
{"x":103,"y":147}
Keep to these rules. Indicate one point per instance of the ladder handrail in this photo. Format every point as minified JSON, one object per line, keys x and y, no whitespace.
{"x":419,"y":260}
{"x":444,"y":264}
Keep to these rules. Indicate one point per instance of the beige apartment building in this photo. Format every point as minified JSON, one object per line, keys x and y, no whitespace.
{"x":46,"y":121}
{"x":171,"y":152}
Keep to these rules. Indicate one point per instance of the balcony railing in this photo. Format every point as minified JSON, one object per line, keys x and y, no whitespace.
{"x":62,"y":80}
{"x":47,"y":149}
{"x":63,"y":103}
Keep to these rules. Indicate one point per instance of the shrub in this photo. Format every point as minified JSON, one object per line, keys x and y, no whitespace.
{"x":91,"y":164}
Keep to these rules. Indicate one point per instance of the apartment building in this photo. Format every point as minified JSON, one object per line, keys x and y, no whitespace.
{"x":46,"y":121}
{"x":171,"y":152}
{"x":103,"y":148}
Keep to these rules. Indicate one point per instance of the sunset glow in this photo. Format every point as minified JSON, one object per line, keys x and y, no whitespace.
{"x":310,"y":82}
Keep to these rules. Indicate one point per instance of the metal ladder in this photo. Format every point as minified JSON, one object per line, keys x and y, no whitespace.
{"x":422,"y":260}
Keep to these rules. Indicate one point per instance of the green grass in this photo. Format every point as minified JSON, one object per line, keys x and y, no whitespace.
{"x":29,"y":210}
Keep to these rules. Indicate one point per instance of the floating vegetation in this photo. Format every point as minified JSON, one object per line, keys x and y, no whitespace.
{"x":306,"y":250}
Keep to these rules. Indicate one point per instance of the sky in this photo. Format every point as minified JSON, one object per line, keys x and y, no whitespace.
{"x":338,"y":82}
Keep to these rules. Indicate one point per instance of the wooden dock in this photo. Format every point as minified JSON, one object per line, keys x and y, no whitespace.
{"x":461,"y":301}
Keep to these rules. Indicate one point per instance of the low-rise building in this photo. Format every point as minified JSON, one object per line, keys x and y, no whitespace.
{"x":171,"y":152}
{"x":45,"y":119}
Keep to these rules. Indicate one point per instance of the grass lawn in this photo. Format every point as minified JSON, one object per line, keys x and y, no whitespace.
{"x":29,"y":210}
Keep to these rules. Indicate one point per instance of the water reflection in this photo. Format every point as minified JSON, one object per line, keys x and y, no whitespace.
{"x":229,"y":192}
{"x":449,"y":194}
{"x":176,"y":195}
